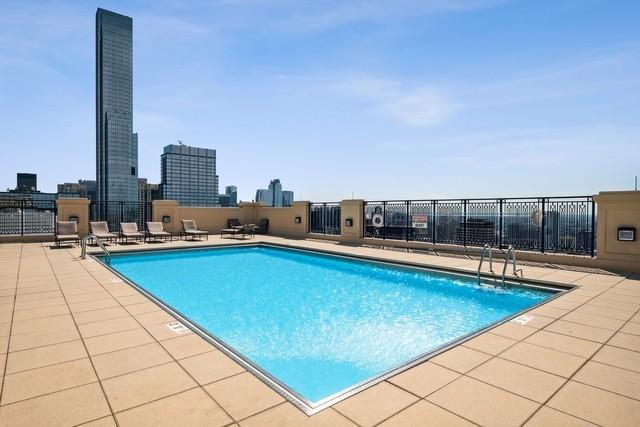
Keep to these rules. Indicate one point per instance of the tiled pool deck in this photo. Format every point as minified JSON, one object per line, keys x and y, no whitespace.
{"x":80,"y":347}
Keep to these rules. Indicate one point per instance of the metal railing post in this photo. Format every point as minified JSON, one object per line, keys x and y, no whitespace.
{"x":407,"y":222}
{"x":501,"y":225}
{"x":433,"y":221}
{"x":593,"y":228}
{"x":464,"y":219}
{"x":542,"y":226}
{"x":384,"y":220}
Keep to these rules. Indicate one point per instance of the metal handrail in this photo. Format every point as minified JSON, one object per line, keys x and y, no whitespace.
{"x":511,"y":251}
{"x":83,"y":245}
{"x":487,"y":247}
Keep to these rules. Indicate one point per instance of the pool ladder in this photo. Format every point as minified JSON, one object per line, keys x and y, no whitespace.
{"x":83,"y":245}
{"x":511,"y":255}
{"x":487,"y":248}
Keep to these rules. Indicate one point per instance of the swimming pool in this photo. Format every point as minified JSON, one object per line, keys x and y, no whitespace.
{"x":317,"y":326}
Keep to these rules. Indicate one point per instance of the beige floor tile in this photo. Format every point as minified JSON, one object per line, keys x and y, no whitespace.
{"x":211,"y":366}
{"x":286,"y":415}
{"x":100,"y":315}
{"x":595,"y":405}
{"x":545,"y":359}
{"x":547,"y":417}
{"x":610,"y":378}
{"x":154,"y":318}
{"x":89,"y":296}
{"x":190,"y":408}
{"x":516,"y":378}
{"x":93,"y":305}
{"x":130,"y":360}
{"x":117,"y":341}
{"x":132,"y":299}
{"x":594,"y":320}
{"x":605,"y":312}
{"x":187,"y":346}
{"x":144,"y":386}
{"x":375,"y":404}
{"x":564,"y":343}
{"x":101,"y":422}
{"x":483,"y":404}
{"x":36,"y":382}
{"x":66,"y":408}
{"x":45,"y":356}
{"x":628,"y":341}
{"x":44,"y":324}
{"x":38,"y":296}
{"x":145,"y":307}
{"x":513,"y":330}
{"x":424,"y":379}
{"x":460,"y":359}
{"x":425,"y":414}
{"x":56,"y":310}
{"x":243,"y":395}
{"x":490,"y":343}
{"x":619,"y":357}
{"x":580,"y":331}
{"x":631,"y":328}
{"x":104,"y":327}
{"x":40,"y":339}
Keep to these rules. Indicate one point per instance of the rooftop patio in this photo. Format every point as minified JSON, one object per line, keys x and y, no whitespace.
{"x":81,"y":347}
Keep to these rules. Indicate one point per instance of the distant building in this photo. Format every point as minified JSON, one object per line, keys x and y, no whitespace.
{"x":148,"y":192}
{"x":116,"y":144}
{"x":232,"y":192}
{"x":27,"y":182}
{"x":82,"y":188}
{"x":276,"y":193}
{"x":265,"y":197}
{"x":274,"y":196}
{"x":189,"y":175}
{"x":287,"y":198}
{"x":224,"y":200}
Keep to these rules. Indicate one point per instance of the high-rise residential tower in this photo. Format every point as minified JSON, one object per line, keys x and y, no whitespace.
{"x":116,"y":144}
{"x":287,"y":198}
{"x":276,"y":193}
{"x":232,"y":192}
{"x":188,"y":175}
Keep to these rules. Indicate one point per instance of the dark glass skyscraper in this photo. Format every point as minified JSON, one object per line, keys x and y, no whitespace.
{"x":116,"y":145}
{"x":188,"y":175}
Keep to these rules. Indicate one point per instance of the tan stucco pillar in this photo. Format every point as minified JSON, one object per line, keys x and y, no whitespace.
{"x":351,"y":211}
{"x":300,"y":209}
{"x":75,"y":207}
{"x":618,"y":209}
{"x":167,"y":208}
{"x":249,"y":212}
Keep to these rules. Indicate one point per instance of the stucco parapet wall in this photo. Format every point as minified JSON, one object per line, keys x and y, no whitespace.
{"x":164,"y":203}
{"x":617,"y":197}
{"x":72,"y":202}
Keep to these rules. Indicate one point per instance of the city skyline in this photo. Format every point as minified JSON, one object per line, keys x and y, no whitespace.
{"x":440,"y":89}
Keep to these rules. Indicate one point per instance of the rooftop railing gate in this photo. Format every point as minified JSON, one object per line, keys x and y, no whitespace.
{"x":544,"y":224}
{"x":27,"y":217}
{"x":115,"y":212}
{"x":324,"y":218}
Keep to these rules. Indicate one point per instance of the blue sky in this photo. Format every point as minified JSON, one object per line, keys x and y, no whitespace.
{"x":385,"y":99}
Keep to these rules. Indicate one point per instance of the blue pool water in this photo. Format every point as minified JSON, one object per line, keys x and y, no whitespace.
{"x":319,"y":323}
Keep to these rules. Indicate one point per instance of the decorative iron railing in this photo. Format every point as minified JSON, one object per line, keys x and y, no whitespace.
{"x":324,"y":218}
{"x":544,"y":224}
{"x":25,"y":217}
{"x":115,"y":212}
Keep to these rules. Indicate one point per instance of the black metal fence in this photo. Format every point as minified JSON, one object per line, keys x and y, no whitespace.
{"x":116,"y":212}
{"x":324,"y":218}
{"x":25,"y":217}
{"x":545,"y":224}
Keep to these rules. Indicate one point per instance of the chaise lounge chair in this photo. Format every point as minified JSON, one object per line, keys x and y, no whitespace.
{"x":130,"y":231}
{"x":100,"y":230}
{"x":155,"y":230}
{"x":239,"y":229}
{"x":263,"y":226}
{"x":189,"y":228}
{"x":66,"y":231}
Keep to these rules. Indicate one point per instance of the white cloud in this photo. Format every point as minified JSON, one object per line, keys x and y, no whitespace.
{"x":410,"y":105}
